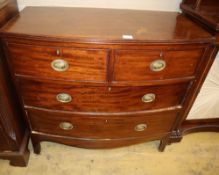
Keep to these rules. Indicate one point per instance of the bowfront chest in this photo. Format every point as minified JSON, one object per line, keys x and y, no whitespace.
{"x":102,"y":78}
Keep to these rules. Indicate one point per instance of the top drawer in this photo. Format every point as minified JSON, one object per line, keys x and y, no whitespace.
{"x":132,"y":65}
{"x":64,"y":63}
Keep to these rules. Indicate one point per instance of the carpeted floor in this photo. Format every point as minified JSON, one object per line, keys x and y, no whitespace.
{"x":197,"y":154}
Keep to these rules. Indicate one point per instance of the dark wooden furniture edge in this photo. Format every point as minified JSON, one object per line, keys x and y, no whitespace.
{"x":13,"y":127}
{"x":190,"y":126}
{"x":205,"y":21}
{"x":21,"y":157}
{"x":200,"y":125}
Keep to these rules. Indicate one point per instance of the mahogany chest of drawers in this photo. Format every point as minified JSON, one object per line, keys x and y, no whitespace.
{"x":102,"y":78}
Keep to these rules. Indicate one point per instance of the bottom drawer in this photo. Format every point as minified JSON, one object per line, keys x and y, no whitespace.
{"x":101,"y":127}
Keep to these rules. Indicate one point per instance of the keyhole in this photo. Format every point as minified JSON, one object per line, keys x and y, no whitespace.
{"x":57,"y":52}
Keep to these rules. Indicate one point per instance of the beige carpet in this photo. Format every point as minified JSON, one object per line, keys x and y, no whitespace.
{"x":197,"y":154}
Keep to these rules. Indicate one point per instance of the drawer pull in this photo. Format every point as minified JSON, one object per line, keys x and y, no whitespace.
{"x":64,"y":98}
{"x":140,"y":127}
{"x":158,"y":65}
{"x":60,"y":65}
{"x":66,"y":126}
{"x":148,"y":98}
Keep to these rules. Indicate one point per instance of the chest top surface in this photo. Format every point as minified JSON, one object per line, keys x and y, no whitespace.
{"x":97,"y":25}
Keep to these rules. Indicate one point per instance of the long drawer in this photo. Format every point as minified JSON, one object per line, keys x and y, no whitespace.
{"x":59,"y":63}
{"x":101,"y":127}
{"x":65,"y":96}
{"x":143,"y":65}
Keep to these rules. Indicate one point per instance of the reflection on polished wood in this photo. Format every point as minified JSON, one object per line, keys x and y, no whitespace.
{"x":105,"y":24}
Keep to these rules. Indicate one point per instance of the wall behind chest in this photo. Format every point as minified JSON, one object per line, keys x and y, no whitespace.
{"x":163,"y":5}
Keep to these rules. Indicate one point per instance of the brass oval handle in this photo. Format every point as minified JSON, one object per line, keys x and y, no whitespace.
{"x":60,"y":65}
{"x":66,"y":126}
{"x":158,"y":65}
{"x":148,"y":98}
{"x":141,"y":127}
{"x":64,"y":98}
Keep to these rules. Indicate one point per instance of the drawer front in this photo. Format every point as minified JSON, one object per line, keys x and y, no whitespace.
{"x":55,"y":63}
{"x":132,"y":65}
{"x":100,"y":98}
{"x":102,"y":127}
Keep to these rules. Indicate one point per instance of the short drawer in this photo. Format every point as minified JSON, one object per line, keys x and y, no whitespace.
{"x":65,"y":96}
{"x":135,"y":65}
{"x":59,"y":63}
{"x":101,"y":127}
